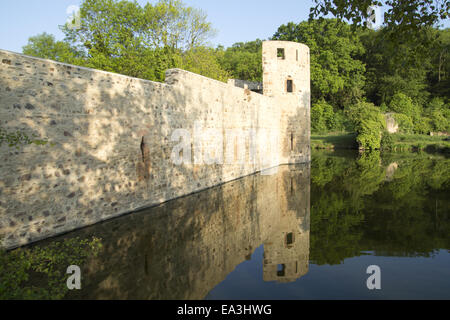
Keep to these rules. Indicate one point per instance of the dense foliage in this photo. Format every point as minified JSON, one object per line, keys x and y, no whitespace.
{"x":336,"y":73}
{"x":139,"y":41}
{"x":369,"y":123}
{"x":243,"y":60}
{"x":405,"y":16}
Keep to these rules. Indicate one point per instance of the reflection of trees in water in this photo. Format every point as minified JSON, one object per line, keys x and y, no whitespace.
{"x":356,"y":207}
{"x":39,"y":272}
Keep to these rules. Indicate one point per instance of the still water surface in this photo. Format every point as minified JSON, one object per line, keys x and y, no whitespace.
{"x":305,"y":232}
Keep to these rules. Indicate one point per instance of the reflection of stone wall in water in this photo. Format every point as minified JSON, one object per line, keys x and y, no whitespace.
{"x":112,"y":151}
{"x":185,"y":248}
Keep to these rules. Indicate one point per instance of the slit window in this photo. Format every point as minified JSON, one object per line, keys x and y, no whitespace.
{"x":292,"y":185}
{"x":290,"y":86}
{"x":296,"y":55}
{"x":292,"y":141}
{"x":280,"y":54}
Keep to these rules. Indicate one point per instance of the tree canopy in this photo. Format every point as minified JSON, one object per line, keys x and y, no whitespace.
{"x":402,"y":15}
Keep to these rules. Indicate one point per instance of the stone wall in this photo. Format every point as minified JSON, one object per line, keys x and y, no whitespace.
{"x":111,"y":148}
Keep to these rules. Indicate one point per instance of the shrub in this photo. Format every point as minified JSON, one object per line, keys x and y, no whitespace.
{"x":401,"y":103}
{"x":439,"y":122}
{"x":438,"y":113}
{"x":387,"y":142}
{"x":369,"y":123}
{"x":369,"y":137}
{"x":436,"y":104}
{"x":322,"y":117}
{"x":405,"y":123}
{"x":422,"y":125}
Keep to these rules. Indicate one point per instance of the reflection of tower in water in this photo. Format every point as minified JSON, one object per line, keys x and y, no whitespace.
{"x":286,"y":250}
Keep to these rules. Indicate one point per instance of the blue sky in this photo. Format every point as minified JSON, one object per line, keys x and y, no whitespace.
{"x":235,"y":20}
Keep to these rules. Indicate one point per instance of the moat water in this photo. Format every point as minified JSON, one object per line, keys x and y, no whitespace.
{"x":302,"y":232}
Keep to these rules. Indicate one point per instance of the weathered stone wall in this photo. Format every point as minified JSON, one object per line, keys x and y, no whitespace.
{"x":111,"y":146}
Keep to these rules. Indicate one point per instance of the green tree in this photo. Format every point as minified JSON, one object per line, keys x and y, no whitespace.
{"x":401,"y":103}
{"x":396,"y":66}
{"x":243,"y":60}
{"x":405,"y":123}
{"x":369,"y":123}
{"x":402,"y":15}
{"x":45,"y":46}
{"x":337,"y":73}
{"x":124,"y":37}
{"x":323,"y":118}
{"x":204,"y":61}
{"x":439,"y":75}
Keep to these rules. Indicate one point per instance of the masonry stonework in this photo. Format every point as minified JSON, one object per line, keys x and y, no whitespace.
{"x":112,"y":143}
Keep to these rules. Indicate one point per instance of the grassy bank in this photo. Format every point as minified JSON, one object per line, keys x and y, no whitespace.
{"x":414,"y":142}
{"x":332,"y":141}
{"x":400,"y":142}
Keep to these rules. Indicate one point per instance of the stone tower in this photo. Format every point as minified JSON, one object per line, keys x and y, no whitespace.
{"x":286,"y":78}
{"x":286,"y":70}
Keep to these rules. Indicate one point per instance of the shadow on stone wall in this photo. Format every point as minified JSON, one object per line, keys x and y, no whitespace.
{"x":109,"y":153}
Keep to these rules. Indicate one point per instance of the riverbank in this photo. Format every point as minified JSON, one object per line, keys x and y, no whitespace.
{"x":400,"y":142}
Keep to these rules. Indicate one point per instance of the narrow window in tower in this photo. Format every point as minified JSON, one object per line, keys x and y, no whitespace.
{"x":280,"y":54}
{"x":296,"y":55}
{"x":289,"y":86}
{"x":289,"y":239}
{"x":281,"y":270}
